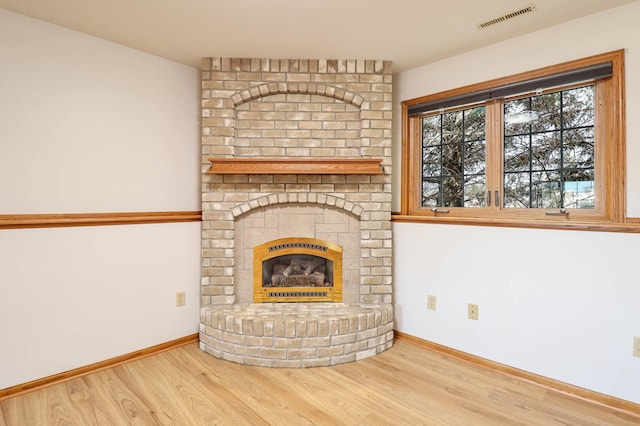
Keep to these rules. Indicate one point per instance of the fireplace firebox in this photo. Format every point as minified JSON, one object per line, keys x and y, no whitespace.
{"x":297,"y":270}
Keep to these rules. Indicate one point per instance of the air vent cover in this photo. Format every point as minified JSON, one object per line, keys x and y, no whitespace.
{"x":507,"y":16}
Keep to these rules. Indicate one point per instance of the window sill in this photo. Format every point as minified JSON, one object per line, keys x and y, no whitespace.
{"x":632,"y":225}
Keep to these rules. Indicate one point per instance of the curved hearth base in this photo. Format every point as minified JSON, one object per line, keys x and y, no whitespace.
{"x":296,"y":335}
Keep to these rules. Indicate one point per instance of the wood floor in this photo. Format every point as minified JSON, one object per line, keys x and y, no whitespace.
{"x":407,"y":385}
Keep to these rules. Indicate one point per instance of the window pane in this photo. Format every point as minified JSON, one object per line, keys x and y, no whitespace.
{"x":453,"y":159}
{"x":431,"y":134}
{"x":474,"y":124}
{"x":545,"y":151}
{"x":517,"y":153}
{"x":517,"y":190}
{"x":516,"y":117}
{"x":431,"y":161}
{"x":474,"y":191}
{"x":549,"y":150}
{"x":547,"y":110}
{"x":474,"y":158}
{"x":579,"y":190}
{"x":431,"y":193}
{"x":452,"y":191}
{"x":546,"y":192}
{"x":452,"y":127}
{"x":578,"y":107}
{"x":577,"y":150}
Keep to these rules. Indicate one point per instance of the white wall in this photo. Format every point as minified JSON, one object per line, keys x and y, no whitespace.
{"x":562,"y":304}
{"x":75,"y":296}
{"x":91,"y":126}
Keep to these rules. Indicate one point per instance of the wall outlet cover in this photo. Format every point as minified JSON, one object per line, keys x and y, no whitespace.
{"x":472,"y":311}
{"x":180,"y":299}
{"x":431,"y":302}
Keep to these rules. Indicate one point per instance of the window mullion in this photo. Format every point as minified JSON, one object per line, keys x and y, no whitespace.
{"x":415,"y":195}
{"x":494,"y":153}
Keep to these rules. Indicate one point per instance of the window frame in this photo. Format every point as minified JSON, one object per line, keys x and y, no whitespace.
{"x":610,"y":153}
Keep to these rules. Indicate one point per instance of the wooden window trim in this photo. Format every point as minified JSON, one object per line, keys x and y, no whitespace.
{"x":610,"y":214}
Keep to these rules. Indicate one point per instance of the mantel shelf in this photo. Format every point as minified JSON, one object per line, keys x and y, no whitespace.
{"x":295,"y":166}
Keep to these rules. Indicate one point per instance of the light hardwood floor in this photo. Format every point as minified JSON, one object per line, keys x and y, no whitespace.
{"x":406,"y":385}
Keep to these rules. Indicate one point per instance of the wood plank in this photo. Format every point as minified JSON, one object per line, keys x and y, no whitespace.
{"x":295,"y":166}
{"x":544,"y":382}
{"x":406,"y":385}
{"x":92,"y":368}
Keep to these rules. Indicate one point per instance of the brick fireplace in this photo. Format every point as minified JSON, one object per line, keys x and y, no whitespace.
{"x":302,"y":129}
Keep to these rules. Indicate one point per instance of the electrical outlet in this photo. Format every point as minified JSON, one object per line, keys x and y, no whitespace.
{"x":472,"y":311}
{"x":431,"y":302}
{"x":636,"y":346}
{"x":180,"y":299}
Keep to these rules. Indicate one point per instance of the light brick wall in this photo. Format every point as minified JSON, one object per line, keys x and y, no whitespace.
{"x":296,"y":108}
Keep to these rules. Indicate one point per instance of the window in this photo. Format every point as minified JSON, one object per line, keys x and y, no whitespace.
{"x":549,"y":150}
{"x":542,"y":147}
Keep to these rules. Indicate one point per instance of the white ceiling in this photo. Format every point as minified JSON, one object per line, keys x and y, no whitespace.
{"x":407,"y":32}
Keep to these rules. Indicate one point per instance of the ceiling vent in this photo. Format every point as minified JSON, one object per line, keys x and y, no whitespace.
{"x":507,"y":16}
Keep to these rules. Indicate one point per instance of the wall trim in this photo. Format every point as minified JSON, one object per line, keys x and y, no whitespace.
{"x":552,"y":384}
{"x":630,"y":225}
{"x":19,"y":221}
{"x":95,"y":367}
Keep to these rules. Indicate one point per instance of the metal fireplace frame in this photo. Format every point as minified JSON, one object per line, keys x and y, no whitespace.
{"x":297,"y":246}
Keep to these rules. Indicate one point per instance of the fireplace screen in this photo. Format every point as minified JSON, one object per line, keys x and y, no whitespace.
{"x":297,"y":270}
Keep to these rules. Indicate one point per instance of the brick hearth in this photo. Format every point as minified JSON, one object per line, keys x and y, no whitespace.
{"x":296,"y":334}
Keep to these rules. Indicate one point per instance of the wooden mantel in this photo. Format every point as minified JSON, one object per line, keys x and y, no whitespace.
{"x":295,"y":166}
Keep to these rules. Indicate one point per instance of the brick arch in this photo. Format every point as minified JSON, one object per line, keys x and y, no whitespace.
{"x":302,"y":197}
{"x":269,"y":89}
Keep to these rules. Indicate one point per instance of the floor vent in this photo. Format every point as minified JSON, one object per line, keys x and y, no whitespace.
{"x":507,"y":16}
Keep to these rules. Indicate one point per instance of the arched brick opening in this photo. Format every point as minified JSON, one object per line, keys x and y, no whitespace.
{"x":288,"y":198}
{"x":269,"y":89}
